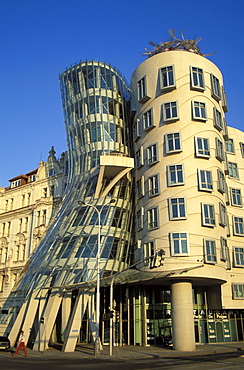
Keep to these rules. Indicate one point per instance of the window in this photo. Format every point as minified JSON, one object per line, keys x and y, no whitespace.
{"x":219,"y":150}
{"x":32,"y":178}
{"x":139,"y":157}
{"x":139,"y":219}
{"x":177,"y":209}
{"x":44,"y":217}
{"x":148,"y":120}
{"x":170,"y":111}
{"x":210,"y":251}
{"x":140,"y":187}
{"x":52,"y":190}
{"x":208,"y":215}
{"x":175,"y":175}
{"x":167,"y":79}
{"x":179,"y":244}
{"x":153,"y":185}
{"x":242,"y":149}
{"x":52,"y":172}
{"x":205,"y":180}
{"x":153,"y":221}
{"x":236,"y":197}
{"x":45,"y":192}
{"x":238,"y":229}
{"x":173,"y":142}
{"x":239,"y":256}
{"x":142,"y":90}
{"x":149,"y":251}
{"x":197,"y":80}
{"x":216,"y":92}
{"x":199,"y":111}
{"x":136,"y":130}
{"x":152,"y":154}
{"x":224,"y":100}
{"x":229,"y":146}
{"x":221,"y":181}
{"x":202,"y":147}
{"x":223,"y":249}
{"x":14,"y":184}
{"x":218,"y":122}
{"x":223,"y":220}
{"x":233,"y":170}
{"x":238,"y":291}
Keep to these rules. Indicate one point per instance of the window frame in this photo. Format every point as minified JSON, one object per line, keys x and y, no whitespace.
{"x":216,"y":89}
{"x":136,"y":130}
{"x":217,"y":119}
{"x":140,"y":219}
{"x":242,"y":149}
{"x":152,"y":154}
{"x":198,"y":86}
{"x":207,"y":209}
{"x":212,"y":247}
{"x":177,"y":172}
{"x":238,"y":223}
{"x":234,"y":291}
{"x":219,"y":150}
{"x":153,"y":218}
{"x":142,"y":90}
{"x":178,"y":206}
{"x":139,"y":158}
{"x":201,"y":117}
{"x":149,"y":250}
{"x":200,"y":183}
{"x":238,"y":256}
{"x":180,"y":239}
{"x":203,"y":141}
{"x":152,"y":189}
{"x":222,"y":186}
{"x":148,"y":117}
{"x":223,"y":217}
{"x":170,"y":109}
{"x":140,"y":188}
{"x":237,"y":196}
{"x":230,"y":144}
{"x":223,"y":249}
{"x":167,"y":86}
{"x":174,"y":139}
{"x":233,"y":167}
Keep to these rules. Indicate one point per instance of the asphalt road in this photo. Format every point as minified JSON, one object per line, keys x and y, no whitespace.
{"x":218,"y":361}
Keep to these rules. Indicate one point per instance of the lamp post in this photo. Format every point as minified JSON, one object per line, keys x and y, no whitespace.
{"x":97,"y":338}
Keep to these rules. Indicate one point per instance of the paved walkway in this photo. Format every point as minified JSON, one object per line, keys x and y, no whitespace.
{"x":127,"y":352}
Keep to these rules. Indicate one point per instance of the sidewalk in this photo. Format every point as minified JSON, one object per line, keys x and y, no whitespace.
{"x":126,"y":352}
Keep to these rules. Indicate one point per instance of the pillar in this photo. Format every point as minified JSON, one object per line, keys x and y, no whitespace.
{"x":182,"y":316}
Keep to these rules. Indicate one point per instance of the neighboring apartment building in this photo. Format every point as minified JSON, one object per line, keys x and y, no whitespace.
{"x":186,"y":244}
{"x":26,"y":208}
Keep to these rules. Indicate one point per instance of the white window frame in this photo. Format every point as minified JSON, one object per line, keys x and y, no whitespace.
{"x":139,"y":159}
{"x":238,"y":256}
{"x":210,"y":255}
{"x":199,"y":107}
{"x":233,"y":170}
{"x":174,"y":140}
{"x":136,"y":130}
{"x":142,"y":90}
{"x":170,"y":106}
{"x":202,"y":147}
{"x":236,"y":197}
{"x":147,"y":118}
{"x":153,"y":185}
{"x":140,"y":219}
{"x":238,"y":226}
{"x":238,"y":291}
{"x":140,"y":189}
{"x":208,"y":215}
{"x":153,"y":218}
{"x":177,"y":204}
{"x":222,"y":186}
{"x":176,"y":170}
{"x":230,"y":146}
{"x":195,"y":71}
{"x":181,"y":237}
{"x":152,"y":154}
{"x":207,"y":184}
{"x":216,"y":90}
{"x":167,"y":71}
{"x":219,"y":149}
{"x":218,"y":119}
{"x":149,"y":250}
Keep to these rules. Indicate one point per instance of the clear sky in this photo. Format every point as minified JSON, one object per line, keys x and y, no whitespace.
{"x":40,"y":38}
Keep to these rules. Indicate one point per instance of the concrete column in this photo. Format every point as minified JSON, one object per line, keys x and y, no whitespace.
{"x":182,"y":316}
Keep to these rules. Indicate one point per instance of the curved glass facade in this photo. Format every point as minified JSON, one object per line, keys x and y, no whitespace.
{"x":96,"y":102}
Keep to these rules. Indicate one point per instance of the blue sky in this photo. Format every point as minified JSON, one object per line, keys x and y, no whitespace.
{"x":40,"y":38}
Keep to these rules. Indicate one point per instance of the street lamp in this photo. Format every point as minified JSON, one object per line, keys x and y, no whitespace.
{"x":97,"y":338}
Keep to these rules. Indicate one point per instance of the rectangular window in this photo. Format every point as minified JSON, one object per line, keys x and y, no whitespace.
{"x":167,"y":80}
{"x":216,"y":91}
{"x":175,"y":175}
{"x":224,"y":100}
{"x":238,"y":229}
{"x":222,"y":187}
{"x":170,"y":111}
{"x":197,"y":80}
{"x":45,"y":192}
{"x":139,"y":219}
{"x":202,"y":147}
{"x":199,"y":111}
{"x":229,"y":146}
{"x":210,"y":251}
{"x":239,"y":256}
{"x":142,"y":90}
{"x":152,"y":154}
{"x":218,"y":122}
{"x":208,"y":215}
{"x":148,"y":120}
{"x":238,"y":291}
{"x":153,"y":221}
{"x":223,"y":249}
{"x":177,"y":209}
{"x":52,"y":190}
{"x":205,"y":180}
{"x":149,"y":251}
{"x":153,"y":185}
{"x":233,"y":170}
{"x":140,"y":187}
{"x":139,"y":157}
{"x":223,"y":218}
{"x":136,"y":130}
{"x":219,"y":150}
{"x":179,"y":244}
{"x":173,"y":142}
{"x":236,"y":199}
{"x":242,"y":149}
